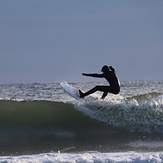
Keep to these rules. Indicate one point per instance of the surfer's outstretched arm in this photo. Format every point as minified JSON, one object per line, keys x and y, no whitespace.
{"x":93,"y":75}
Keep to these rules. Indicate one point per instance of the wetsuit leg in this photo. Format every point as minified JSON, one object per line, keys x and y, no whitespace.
{"x":104,"y":89}
{"x":104,"y":95}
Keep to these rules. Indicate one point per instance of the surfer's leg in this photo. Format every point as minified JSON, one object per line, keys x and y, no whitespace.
{"x":82,"y":95}
{"x":93,"y":90}
{"x":104,"y":95}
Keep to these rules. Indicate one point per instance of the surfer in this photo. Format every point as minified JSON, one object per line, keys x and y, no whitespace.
{"x":110,"y":75}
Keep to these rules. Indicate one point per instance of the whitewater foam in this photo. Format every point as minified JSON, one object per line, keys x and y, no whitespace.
{"x":85,"y":158}
{"x":146,"y":116}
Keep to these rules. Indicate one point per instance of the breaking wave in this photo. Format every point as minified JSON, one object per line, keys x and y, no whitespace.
{"x":142,"y":113}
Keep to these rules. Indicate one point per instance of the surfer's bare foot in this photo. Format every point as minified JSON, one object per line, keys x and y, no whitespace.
{"x":81,"y":94}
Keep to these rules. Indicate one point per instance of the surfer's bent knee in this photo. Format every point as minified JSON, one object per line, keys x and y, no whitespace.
{"x":116,"y":91}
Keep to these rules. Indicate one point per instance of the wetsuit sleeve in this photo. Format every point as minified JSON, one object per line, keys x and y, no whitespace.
{"x":94,"y":75}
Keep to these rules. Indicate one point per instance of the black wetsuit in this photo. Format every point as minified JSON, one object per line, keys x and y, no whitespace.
{"x":111,"y":77}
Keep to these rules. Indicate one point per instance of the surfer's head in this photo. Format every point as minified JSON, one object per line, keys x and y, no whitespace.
{"x":105,"y":69}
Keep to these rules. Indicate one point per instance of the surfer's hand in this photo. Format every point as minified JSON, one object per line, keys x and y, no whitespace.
{"x":84,"y":74}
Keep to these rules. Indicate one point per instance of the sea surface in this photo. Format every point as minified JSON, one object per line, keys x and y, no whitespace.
{"x":40,"y":123}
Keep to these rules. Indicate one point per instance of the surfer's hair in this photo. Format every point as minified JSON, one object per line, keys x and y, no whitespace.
{"x":105,"y":68}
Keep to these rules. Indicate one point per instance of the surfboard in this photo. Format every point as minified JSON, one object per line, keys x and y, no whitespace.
{"x":72,"y":91}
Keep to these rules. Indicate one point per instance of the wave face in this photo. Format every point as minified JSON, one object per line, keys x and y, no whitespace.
{"x":35,"y":113}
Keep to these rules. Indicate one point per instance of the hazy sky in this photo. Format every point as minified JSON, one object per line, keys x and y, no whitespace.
{"x":55,"y":40}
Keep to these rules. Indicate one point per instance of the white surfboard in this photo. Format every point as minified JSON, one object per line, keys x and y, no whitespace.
{"x":72,"y":91}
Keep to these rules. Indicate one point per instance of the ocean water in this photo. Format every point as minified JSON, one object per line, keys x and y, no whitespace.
{"x":41,"y":123}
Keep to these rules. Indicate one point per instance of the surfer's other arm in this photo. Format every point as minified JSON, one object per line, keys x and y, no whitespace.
{"x":93,"y":75}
